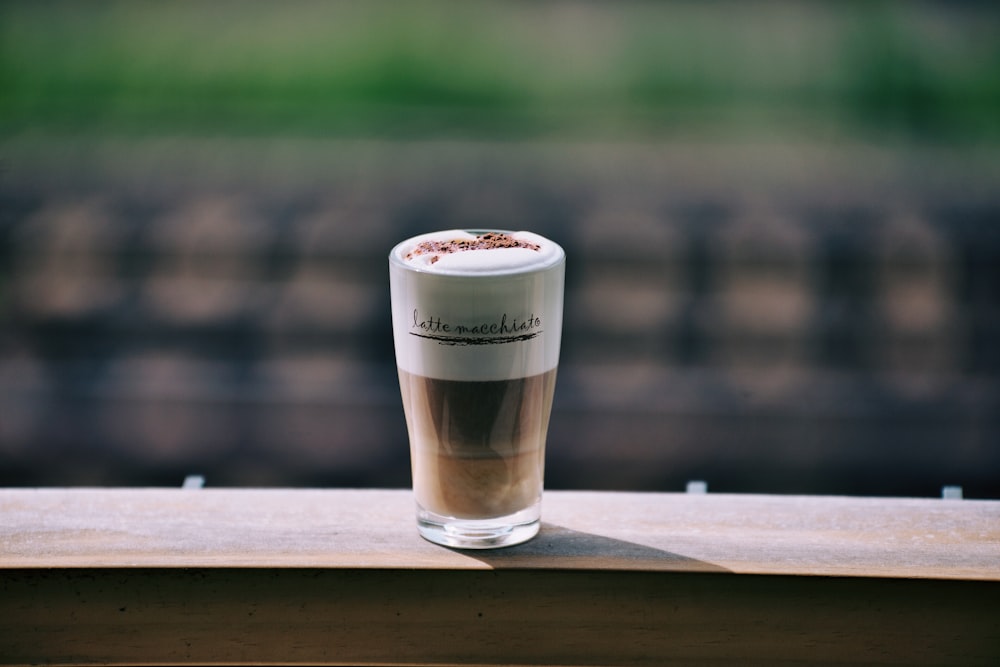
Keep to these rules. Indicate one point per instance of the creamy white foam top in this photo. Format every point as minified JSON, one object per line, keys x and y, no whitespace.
{"x":453,"y":259}
{"x":489,"y":313}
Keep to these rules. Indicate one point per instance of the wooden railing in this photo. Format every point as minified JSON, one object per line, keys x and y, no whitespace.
{"x":213,"y":576}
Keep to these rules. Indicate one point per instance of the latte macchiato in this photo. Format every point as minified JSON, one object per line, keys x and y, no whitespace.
{"x":477,"y":320}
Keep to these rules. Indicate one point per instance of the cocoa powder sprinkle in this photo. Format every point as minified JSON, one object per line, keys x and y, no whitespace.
{"x":487,"y":241}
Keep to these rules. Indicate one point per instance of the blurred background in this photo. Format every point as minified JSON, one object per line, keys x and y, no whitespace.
{"x":782,"y":221}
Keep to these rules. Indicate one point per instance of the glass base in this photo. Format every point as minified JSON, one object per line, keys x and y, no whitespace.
{"x":493,"y":533}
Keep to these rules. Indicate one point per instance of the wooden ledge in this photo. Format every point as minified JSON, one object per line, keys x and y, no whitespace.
{"x":164,"y":576}
{"x":742,"y":534}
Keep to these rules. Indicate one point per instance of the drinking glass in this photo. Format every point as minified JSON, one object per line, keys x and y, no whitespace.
{"x":477,"y":323}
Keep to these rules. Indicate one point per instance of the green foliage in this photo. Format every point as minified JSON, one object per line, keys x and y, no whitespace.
{"x":628,"y":69}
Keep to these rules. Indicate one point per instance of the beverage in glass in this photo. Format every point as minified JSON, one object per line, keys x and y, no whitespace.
{"x":477,"y":323}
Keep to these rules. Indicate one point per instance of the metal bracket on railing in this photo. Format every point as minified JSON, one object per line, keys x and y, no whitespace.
{"x":193,"y":482}
{"x":951,"y":492}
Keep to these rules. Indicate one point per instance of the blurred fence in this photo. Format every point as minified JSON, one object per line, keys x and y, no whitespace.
{"x":831,"y":332}
{"x":782,"y":220}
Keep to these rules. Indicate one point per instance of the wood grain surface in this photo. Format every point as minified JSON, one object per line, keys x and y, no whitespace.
{"x":746,"y":534}
{"x":163,"y":576}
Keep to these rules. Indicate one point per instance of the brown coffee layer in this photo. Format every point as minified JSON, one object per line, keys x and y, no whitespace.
{"x":477,"y":448}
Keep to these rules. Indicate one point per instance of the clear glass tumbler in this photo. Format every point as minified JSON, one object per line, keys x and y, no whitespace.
{"x":477,"y":324}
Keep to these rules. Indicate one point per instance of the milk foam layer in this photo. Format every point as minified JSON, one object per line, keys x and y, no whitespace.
{"x":535,"y":252}
{"x":477,"y":315}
